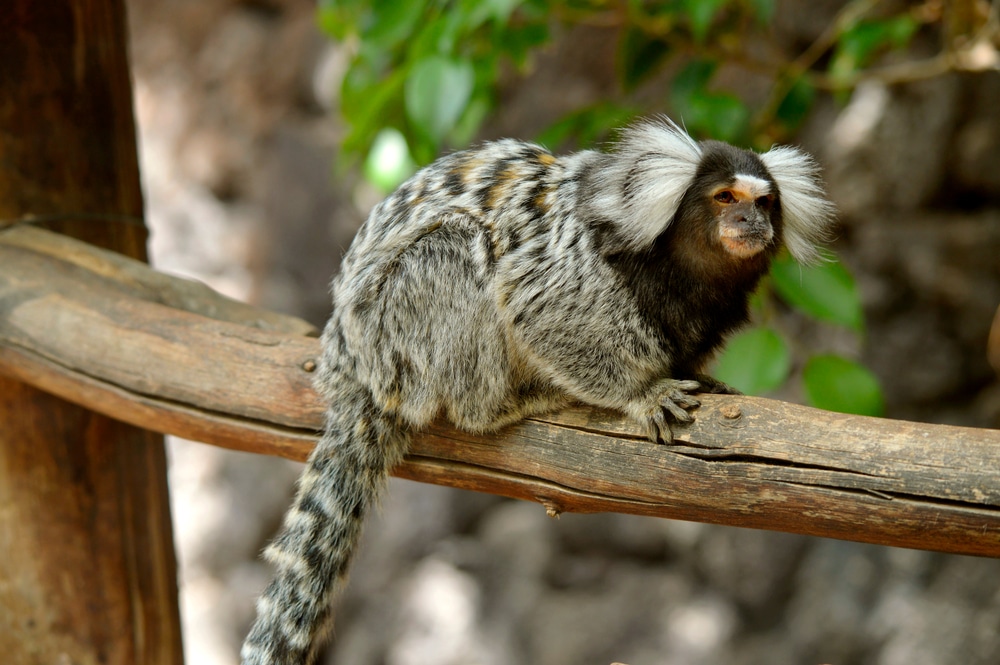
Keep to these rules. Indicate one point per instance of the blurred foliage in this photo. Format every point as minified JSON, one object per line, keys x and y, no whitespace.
{"x":424,"y":75}
{"x":755,"y":361}
{"x":428,"y":68}
{"x":838,"y":384}
{"x":825,"y":292}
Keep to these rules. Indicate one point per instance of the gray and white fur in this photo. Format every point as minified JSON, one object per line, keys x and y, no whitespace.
{"x":501,"y":282}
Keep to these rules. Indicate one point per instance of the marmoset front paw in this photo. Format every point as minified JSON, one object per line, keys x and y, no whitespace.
{"x":670,"y":400}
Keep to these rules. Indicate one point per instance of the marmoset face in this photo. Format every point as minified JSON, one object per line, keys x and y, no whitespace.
{"x":743,"y":210}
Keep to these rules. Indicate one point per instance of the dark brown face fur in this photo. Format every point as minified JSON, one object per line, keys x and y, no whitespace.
{"x":742,"y":211}
{"x":729,"y":224}
{"x":693,"y":284}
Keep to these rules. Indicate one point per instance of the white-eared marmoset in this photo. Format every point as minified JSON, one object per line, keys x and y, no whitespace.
{"x":501,"y":282}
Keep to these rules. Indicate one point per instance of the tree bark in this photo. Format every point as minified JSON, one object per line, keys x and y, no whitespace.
{"x":88,"y":573}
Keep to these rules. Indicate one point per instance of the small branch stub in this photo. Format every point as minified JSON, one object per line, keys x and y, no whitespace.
{"x":551,"y":509}
{"x":731,"y":411}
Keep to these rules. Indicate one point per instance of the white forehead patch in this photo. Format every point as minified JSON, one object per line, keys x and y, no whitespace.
{"x":752,"y":185}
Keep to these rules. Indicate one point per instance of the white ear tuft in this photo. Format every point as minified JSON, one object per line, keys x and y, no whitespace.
{"x":641,"y":187}
{"x":806,"y":212}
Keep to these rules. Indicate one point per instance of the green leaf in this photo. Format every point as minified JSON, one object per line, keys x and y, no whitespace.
{"x":754,"y":361}
{"x":356,"y":89}
{"x":720,"y":115}
{"x":438,"y":35}
{"x":341,"y":18}
{"x":838,"y":384}
{"x":693,"y":78}
{"x":517,"y":42}
{"x":859,"y":44}
{"x":704,"y":113}
{"x":369,"y":104}
{"x":478,"y":12}
{"x":796,"y":104}
{"x":826,"y":291}
{"x":639,"y":54}
{"x":586,"y":126}
{"x":392,"y":21}
{"x":388,"y":162}
{"x":701,"y":13}
{"x":438,"y":90}
{"x":468,"y":125}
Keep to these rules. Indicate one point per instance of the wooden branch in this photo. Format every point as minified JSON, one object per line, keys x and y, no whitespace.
{"x":745,"y":461}
{"x":137,"y":280}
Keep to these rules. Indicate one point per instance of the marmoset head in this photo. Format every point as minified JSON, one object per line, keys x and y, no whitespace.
{"x":732,"y":206}
{"x":725,"y":199}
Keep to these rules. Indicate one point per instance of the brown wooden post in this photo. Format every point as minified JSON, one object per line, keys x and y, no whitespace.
{"x":87,"y":566}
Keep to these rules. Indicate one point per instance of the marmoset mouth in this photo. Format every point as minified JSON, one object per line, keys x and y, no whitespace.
{"x":744,"y":243}
{"x":743,"y":248}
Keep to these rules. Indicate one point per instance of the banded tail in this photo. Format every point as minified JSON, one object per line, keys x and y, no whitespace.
{"x":345,"y":474}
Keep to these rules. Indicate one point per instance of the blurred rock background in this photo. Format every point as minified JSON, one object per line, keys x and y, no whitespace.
{"x":236,"y":103}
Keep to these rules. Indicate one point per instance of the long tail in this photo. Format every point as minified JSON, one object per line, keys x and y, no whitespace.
{"x":344,"y":477}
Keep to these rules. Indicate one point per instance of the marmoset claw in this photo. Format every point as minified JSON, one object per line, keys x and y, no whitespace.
{"x":671,"y":402}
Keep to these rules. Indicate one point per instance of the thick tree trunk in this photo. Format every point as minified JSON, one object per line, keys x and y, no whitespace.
{"x":87,"y":573}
